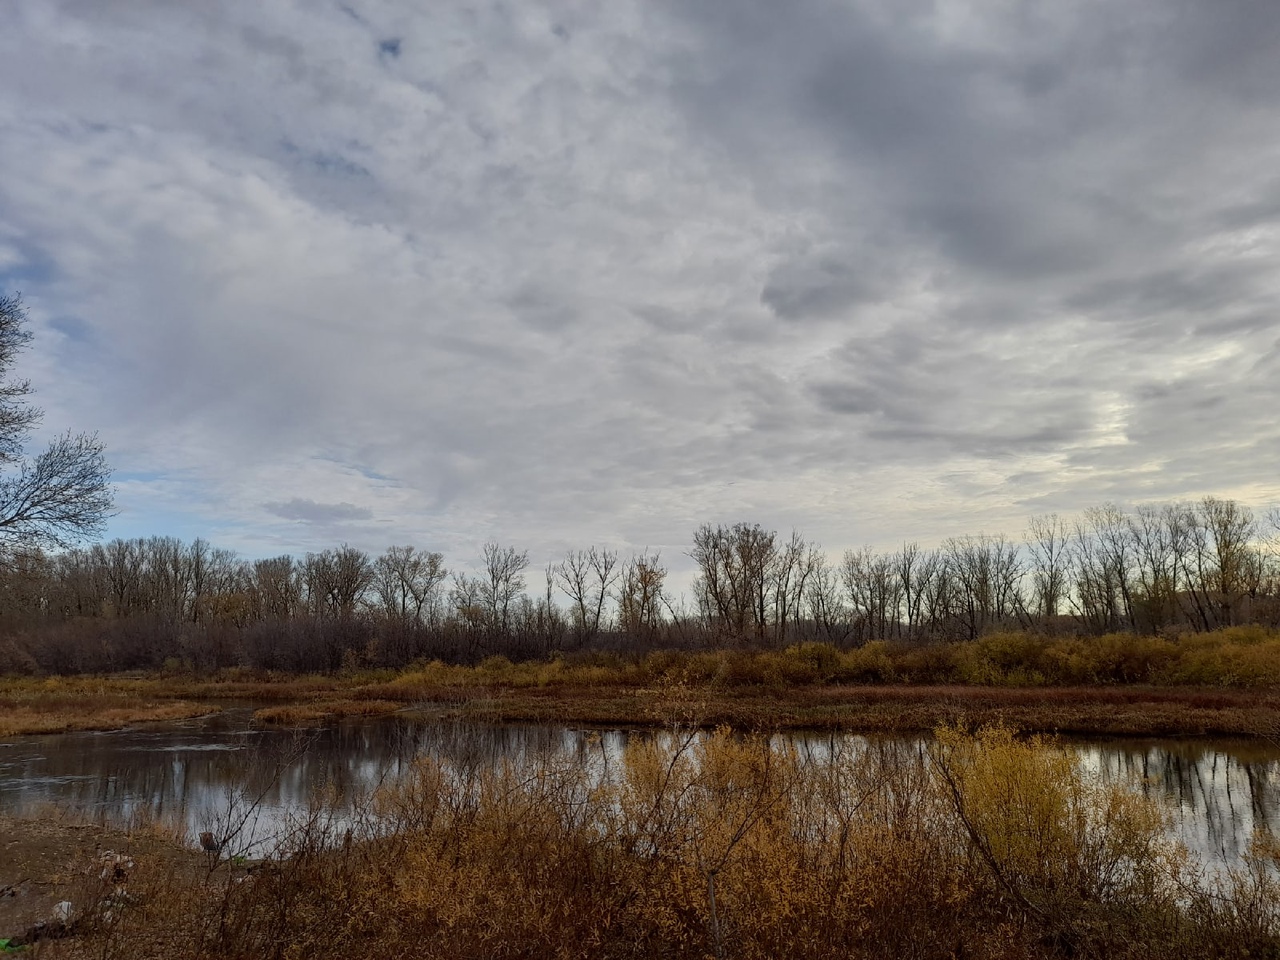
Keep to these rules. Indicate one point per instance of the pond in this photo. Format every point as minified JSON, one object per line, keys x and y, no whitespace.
{"x":203,"y":774}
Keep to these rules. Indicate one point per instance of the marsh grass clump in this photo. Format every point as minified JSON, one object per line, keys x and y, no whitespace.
{"x":294,"y":714}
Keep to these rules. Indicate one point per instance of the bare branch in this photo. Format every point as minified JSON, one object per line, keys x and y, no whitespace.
{"x":60,"y":497}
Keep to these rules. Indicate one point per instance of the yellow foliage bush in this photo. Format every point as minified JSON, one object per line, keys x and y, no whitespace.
{"x":870,"y":663}
{"x":1052,"y":833}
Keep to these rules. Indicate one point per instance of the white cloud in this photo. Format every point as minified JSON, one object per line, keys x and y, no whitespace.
{"x":556,"y":274}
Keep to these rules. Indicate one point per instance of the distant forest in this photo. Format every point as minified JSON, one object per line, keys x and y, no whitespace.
{"x":160,"y":603}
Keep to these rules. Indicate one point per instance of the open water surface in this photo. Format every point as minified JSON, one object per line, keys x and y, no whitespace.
{"x":203,"y":774}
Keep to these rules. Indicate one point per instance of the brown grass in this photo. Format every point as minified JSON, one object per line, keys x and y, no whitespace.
{"x":292,"y":715}
{"x":59,"y":706}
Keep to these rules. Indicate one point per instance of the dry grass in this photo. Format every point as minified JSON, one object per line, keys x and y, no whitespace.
{"x":55,"y":705}
{"x":294,"y":715}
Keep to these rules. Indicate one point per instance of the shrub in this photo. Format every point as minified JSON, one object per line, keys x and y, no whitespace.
{"x":870,"y":663}
{"x":1065,"y":845}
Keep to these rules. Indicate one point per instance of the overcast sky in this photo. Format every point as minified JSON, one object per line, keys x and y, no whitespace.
{"x":572,"y":273}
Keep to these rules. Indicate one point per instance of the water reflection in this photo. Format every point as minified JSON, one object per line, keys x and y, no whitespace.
{"x":204,"y":773}
{"x":1218,"y":791}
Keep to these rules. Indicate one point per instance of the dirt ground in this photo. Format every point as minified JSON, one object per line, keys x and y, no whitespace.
{"x":51,"y":859}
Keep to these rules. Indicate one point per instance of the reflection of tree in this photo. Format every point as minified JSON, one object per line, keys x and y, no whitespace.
{"x":1217,"y":797}
{"x":1217,"y":793}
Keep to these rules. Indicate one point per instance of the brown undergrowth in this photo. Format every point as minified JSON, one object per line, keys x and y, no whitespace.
{"x":691,"y":845}
{"x":1225,"y":682}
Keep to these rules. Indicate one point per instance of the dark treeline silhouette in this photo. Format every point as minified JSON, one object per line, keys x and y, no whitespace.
{"x":159,"y":602}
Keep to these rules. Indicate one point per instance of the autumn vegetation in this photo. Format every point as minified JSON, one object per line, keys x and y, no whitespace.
{"x":772,"y":633}
{"x":693,"y":844}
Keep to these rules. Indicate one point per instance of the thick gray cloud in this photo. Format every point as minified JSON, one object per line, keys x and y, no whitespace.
{"x":308,"y":511}
{"x":559,"y":273}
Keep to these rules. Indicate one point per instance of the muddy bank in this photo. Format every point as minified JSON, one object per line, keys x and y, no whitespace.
{"x":45,"y":861}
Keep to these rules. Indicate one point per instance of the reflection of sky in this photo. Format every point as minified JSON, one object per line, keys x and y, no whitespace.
{"x":218,"y":772}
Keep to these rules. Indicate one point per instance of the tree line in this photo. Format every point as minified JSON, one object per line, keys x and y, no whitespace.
{"x":147,"y":603}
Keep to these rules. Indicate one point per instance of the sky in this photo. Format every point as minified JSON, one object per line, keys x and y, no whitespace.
{"x":561,"y":274}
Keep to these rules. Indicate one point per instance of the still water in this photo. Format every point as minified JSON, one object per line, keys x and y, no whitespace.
{"x":200,"y":774}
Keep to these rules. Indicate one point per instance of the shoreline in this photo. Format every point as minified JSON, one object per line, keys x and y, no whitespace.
{"x":1125,"y":712}
{"x":109,"y":703}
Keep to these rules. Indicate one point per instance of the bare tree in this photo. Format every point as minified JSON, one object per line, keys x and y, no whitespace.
{"x":406,"y":582}
{"x":1104,"y":555}
{"x":122,"y":566}
{"x":790,"y":571}
{"x":734,"y":588}
{"x":640,"y":596}
{"x":1159,"y":538}
{"x":62,"y":495}
{"x":874,"y":588}
{"x":586,"y":577}
{"x":16,"y":416}
{"x":83,"y":589}
{"x":1230,"y":566}
{"x":276,"y":588}
{"x":503,"y":582}
{"x":916,"y":570}
{"x":988,"y":579}
{"x":1049,"y":543}
{"x":824,"y":605}
{"x":465,"y":598}
{"x":336,"y":581}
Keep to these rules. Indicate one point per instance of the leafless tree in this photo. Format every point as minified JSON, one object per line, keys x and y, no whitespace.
{"x":539,"y":626}
{"x":988,"y":577}
{"x":277,"y":588}
{"x":121,"y":562}
{"x":62,"y":495}
{"x":215,"y":572}
{"x":406,"y":582}
{"x":734,"y":584}
{"x":873,"y":592}
{"x":1230,"y":567}
{"x":789,"y":572}
{"x":17,"y":417}
{"x":82,"y":590}
{"x":503,"y":582}
{"x":1268,"y":610}
{"x":823,"y":602}
{"x":640,"y":596}
{"x":466,"y":603}
{"x":1049,"y":544}
{"x":587,"y":578}
{"x":336,"y":581}
{"x":166,"y":578}
{"x":1104,"y":555}
{"x":916,"y":570}
{"x":1159,"y":539}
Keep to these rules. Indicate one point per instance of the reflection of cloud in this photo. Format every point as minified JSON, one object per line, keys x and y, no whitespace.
{"x":308,"y":511}
{"x":563,"y":276}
